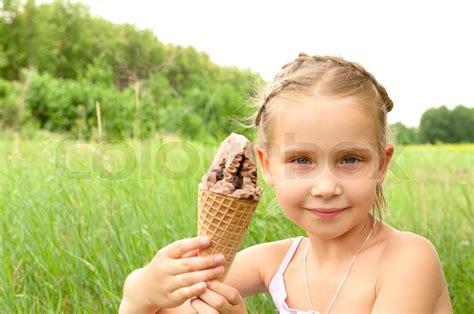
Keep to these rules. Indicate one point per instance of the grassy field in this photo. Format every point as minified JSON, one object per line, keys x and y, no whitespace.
{"x":76,"y":218}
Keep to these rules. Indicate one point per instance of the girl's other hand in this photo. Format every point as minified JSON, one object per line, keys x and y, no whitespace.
{"x":175,"y":275}
{"x":219,"y":298}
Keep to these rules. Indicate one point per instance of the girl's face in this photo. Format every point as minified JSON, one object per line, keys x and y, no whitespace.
{"x":323,"y":158}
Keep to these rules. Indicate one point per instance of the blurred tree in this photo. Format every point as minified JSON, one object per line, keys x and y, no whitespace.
{"x":405,"y":135}
{"x":443,"y":125}
{"x":12,"y":39}
{"x":435,"y":125}
{"x":462,"y":119}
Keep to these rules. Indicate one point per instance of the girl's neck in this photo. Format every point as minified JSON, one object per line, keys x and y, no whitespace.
{"x":331,"y":253}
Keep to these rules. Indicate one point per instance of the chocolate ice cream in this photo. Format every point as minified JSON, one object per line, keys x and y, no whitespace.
{"x":233,"y":171}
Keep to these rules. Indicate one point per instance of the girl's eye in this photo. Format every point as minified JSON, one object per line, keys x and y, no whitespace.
{"x":301,"y":159}
{"x":351,"y":160}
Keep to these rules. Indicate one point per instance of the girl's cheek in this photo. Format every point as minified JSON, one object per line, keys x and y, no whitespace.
{"x":287,"y":186}
{"x":289,"y":190}
{"x":362,"y":193}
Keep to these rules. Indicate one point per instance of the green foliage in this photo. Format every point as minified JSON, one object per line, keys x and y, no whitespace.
{"x":405,"y":135}
{"x":441,"y":125}
{"x":8,"y":104}
{"x":462,"y":119}
{"x":99,"y":72}
{"x":64,"y":105}
{"x":142,"y":85}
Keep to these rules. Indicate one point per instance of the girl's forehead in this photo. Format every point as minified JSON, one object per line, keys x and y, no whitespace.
{"x":326,"y":122}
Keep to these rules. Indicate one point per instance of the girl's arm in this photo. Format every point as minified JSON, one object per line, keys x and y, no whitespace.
{"x":246,"y":272}
{"x":411,"y":278}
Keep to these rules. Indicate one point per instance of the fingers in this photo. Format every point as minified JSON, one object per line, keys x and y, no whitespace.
{"x":196,"y":263}
{"x":231,"y":294}
{"x":192,"y":278}
{"x":181,"y":247}
{"x":218,"y":294}
{"x":189,"y":292}
{"x":202,"y":307}
{"x":191,"y":253}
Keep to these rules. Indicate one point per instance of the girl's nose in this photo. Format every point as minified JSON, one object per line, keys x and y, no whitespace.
{"x":325,"y":185}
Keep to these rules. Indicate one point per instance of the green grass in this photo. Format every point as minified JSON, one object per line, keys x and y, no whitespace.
{"x":70,"y":233}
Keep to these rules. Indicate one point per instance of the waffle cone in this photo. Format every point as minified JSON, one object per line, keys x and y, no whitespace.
{"x":224,"y":220}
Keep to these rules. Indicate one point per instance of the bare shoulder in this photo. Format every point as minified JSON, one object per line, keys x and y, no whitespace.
{"x":252,"y":267}
{"x":411,"y":275}
{"x":404,"y":247}
{"x":408,"y":252}
{"x":407,"y":242}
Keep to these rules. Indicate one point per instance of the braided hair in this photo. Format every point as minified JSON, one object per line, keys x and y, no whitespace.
{"x":286,"y":77}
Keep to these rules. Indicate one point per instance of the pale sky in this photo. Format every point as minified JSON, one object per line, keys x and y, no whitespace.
{"x":421,"y":51}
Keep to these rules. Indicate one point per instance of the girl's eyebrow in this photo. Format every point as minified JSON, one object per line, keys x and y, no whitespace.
{"x":296,"y":151}
{"x":362,"y":150}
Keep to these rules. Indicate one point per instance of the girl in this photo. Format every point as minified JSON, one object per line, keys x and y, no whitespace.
{"x":322,"y":131}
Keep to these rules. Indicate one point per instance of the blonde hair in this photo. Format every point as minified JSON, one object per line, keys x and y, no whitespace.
{"x":327,"y":76}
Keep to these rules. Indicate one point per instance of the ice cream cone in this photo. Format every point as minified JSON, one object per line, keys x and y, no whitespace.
{"x":224,"y":219}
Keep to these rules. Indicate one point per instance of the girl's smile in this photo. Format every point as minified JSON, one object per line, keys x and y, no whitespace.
{"x":326,"y":213}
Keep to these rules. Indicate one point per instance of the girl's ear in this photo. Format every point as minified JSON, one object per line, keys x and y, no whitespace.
{"x":385,"y":161}
{"x":264,"y":164}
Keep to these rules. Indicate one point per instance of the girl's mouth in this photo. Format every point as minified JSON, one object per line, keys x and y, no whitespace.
{"x":326,"y":212}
